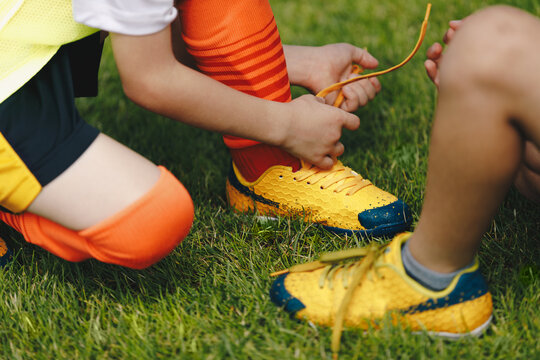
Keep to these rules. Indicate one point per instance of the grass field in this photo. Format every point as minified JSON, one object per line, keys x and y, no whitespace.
{"x":209,"y":298}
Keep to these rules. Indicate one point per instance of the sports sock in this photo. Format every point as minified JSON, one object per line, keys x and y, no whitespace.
{"x":239,"y":45}
{"x":428,"y":278}
{"x":254,"y":160}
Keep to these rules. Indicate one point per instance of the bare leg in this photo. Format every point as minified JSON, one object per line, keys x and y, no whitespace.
{"x":107,"y":178}
{"x":489,"y":105}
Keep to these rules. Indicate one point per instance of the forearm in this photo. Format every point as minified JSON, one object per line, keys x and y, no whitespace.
{"x":300,"y":64}
{"x":185,"y":95}
{"x":154,"y":79}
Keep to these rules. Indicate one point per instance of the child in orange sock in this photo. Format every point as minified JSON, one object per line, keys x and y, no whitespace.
{"x":239,"y":46}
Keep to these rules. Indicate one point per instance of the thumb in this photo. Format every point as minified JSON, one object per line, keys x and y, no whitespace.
{"x":320,"y":99}
{"x":351,"y":121}
{"x":364,"y":58}
{"x":325,"y":163}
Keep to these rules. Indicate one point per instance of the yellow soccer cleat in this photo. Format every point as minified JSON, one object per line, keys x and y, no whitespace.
{"x":339,"y":199}
{"x":365,"y":287}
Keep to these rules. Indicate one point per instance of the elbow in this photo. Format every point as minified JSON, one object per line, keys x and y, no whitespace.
{"x":145,"y":90}
{"x":139,"y":91}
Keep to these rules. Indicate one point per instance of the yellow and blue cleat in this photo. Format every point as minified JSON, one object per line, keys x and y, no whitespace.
{"x":338,"y":199}
{"x":368,"y":287}
{"x":5,"y":253}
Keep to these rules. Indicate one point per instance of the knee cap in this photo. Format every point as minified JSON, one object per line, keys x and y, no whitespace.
{"x":147,"y":230}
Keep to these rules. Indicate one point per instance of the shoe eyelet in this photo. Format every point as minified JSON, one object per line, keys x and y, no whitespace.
{"x":322,"y":188}
{"x":281,"y":176}
{"x":308,"y":183}
{"x":294,"y":179}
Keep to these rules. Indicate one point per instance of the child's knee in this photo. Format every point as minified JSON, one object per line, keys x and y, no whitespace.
{"x":146,"y":231}
{"x":162,"y":231}
{"x":485,"y":44}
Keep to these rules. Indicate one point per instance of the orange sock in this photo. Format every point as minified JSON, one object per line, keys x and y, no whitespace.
{"x":239,"y":45}
{"x":136,"y":237}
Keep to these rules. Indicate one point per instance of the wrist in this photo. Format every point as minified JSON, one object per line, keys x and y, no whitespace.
{"x":301,"y":65}
{"x":278,"y":117}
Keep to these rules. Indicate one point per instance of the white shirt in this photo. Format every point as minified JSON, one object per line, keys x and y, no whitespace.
{"x":128,"y":17}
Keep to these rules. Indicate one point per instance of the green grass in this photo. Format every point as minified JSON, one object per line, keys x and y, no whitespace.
{"x":208,"y":299}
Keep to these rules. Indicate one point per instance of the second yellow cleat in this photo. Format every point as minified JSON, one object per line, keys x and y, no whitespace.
{"x":363,"y":287}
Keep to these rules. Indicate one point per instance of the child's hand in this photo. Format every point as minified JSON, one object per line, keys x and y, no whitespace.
{"x":434,"y":53}
{"x":336,"y":65}
{"x":314,"y":130}
{"x":316,"y":68}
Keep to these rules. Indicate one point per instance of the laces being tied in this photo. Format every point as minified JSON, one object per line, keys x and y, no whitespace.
{"x":356,"y":69}
{"x":352,"y":265}
{"x":343,"y":177}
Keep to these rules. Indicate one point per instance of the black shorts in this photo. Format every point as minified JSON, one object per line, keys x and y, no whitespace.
{"x":41,"y":131}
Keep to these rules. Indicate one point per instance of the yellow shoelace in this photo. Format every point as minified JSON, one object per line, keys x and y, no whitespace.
{"x":358,"y":69}
{"x":355,"y":265}
{"x":342,"y":176}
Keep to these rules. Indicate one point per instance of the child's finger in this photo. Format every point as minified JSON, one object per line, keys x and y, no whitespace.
{"x":368,"y":88}
{"x":432,"y":71}
{"x":434,"y":51}
{"x":364,"y":58}
{"x":358,"y":94}
{"x":448,"y":35}
{"x":361,"y":94}
{"x":354,"y":71}
{"x":354,"y":98}
{"x":320,"y":99}
{"x":455,"y":24}
{"x":325,"y":163}
{"x":351,"y":121}
{"x":376,"y":83}
{"x":339,"y":149}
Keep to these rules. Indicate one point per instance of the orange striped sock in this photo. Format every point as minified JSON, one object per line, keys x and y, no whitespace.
{"x":239,"y":45}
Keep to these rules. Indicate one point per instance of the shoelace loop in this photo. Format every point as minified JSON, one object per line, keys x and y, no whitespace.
{"x":342,"y":176}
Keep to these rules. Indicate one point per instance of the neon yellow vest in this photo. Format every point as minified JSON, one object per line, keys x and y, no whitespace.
{"x":31,"y":32}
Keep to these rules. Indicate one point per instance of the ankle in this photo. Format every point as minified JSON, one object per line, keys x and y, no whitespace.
{"x":442,"y":259}
{"x":427,"y":277}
